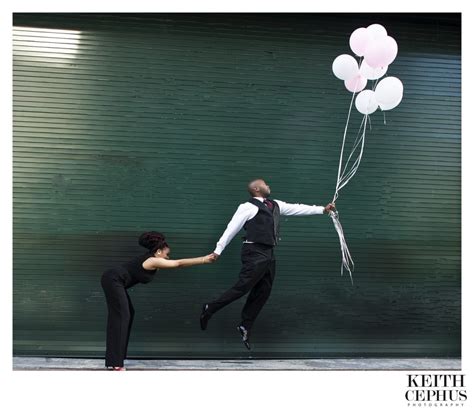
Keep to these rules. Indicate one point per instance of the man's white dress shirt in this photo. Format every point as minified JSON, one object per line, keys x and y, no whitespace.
{"x":247,"y":211}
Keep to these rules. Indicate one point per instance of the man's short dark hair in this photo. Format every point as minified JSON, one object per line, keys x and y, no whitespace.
{"x":249,"y":185}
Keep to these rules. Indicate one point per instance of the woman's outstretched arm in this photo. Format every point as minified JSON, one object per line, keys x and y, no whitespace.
{"x":162,"y":263}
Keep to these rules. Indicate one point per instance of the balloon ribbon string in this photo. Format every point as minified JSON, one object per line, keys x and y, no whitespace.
{"x":342,"y":148}
{"x":347,"y":261}
{"x":345,"y":178}
{"x":342,"y":179}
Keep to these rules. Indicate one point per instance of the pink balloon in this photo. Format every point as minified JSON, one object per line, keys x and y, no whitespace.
{"x":356,"y":84}
{"x":381,"y":52}
{"x":359,"y":40}
{"x":376,"y":31}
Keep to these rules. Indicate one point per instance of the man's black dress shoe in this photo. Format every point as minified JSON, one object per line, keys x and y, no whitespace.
{"x":245,"y":336}
{"x":205,"y":316}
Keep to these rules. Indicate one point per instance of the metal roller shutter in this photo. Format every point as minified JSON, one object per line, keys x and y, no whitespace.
{"x":126,"y":123}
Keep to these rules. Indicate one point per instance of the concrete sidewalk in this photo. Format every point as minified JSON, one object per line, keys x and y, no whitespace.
{"x":47,"y":363}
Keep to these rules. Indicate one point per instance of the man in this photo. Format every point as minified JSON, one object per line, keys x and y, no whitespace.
{"x":260,"y":217}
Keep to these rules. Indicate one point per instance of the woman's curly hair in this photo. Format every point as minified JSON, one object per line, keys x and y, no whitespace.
{"x":153,"y":241}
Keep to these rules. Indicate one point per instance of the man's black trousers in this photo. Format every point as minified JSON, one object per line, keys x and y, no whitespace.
{"x":256,"y":277}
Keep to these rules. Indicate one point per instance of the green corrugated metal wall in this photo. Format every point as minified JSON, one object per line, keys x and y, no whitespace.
{"x":126,"y":123}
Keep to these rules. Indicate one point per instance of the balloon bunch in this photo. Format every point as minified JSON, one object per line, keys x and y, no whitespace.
{"x":377,"y":51}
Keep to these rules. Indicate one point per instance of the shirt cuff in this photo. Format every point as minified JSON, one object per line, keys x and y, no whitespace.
{"x":319,"y":209}
{"x":218,"y":249}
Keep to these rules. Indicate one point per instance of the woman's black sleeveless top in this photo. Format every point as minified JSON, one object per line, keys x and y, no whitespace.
{"x":137,"y":273}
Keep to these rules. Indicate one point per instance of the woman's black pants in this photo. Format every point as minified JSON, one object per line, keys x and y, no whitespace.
{"x":120,"y":315}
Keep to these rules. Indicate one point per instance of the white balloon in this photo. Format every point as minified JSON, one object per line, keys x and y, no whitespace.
{"x":366,"y":103}
{"x":345,"y":67}
{"x":376,"y":31}
{"x":386,"y":107}
{"x":389,"y":91}
{"x":372,"y":73}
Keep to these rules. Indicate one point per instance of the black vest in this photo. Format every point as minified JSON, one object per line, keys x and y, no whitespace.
{"x":264,"y":227}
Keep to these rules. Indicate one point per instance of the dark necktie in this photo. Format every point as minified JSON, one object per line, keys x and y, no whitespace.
{"x":268,"y":203}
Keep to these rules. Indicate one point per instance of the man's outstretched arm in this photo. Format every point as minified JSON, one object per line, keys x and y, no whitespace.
{"x":302,"y":209}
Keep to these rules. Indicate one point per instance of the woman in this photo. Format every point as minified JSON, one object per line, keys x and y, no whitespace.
{"x":115,"y":281}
